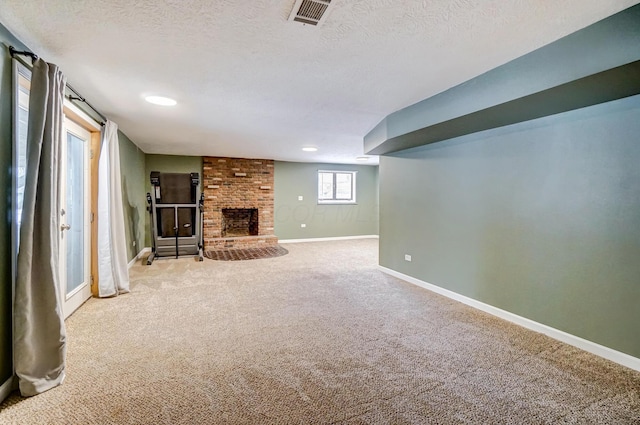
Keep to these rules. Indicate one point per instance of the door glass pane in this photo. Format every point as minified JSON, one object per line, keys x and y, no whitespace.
{"x":75,"y":212}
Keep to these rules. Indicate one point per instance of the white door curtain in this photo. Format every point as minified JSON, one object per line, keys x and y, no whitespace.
{"x":113,"y":271}
{"x":39,"y":332}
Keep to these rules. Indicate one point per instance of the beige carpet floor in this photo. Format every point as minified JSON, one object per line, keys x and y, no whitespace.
{"x":319,"y":336}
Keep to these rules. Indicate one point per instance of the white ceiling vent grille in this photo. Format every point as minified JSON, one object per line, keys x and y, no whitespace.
{"x":312,"y":12}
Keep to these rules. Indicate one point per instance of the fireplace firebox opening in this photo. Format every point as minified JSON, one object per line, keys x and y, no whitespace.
{"x":239,"y":222}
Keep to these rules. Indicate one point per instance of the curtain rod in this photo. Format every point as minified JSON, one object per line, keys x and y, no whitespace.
{"x":83,"y":100}
{"x":13,"y":52}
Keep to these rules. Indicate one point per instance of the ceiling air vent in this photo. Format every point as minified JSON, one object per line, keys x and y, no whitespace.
{"x":312,"y":12}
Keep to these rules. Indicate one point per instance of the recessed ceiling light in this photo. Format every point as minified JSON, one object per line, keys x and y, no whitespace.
{"x":309,"y":149}
{"x":362,"y":158}
{"x":160,"y":100}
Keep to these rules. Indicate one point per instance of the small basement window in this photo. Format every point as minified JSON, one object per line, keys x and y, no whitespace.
{"x":336,"y":187}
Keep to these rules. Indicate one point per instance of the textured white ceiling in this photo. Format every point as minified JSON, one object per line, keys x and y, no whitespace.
{"x":249,"y":83}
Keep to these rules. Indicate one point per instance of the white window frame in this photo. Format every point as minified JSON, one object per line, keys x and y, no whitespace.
{"x":334,"y":200}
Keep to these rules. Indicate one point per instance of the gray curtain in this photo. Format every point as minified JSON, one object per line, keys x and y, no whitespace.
{"x":39,"y":332}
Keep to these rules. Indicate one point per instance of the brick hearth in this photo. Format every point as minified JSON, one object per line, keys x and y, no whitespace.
{"x":235,"y":183}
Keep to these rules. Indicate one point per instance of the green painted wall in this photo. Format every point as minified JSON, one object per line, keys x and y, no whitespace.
{"x":541,"y":219}
{"x":132,"y":171}
{"x":293,"y":179}
{"x":167,"y":164}
{"x":6,"y":153}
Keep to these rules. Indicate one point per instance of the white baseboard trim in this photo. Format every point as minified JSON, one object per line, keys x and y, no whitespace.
{"x":6,"y":388}
{"x":336,"y":238}
{"x":140,"y":254}
{"x":586,"y":345}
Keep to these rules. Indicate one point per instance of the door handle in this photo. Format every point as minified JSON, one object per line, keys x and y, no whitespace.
{"x":65,"y":227}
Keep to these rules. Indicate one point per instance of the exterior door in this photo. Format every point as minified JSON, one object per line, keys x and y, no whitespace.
{"x":75,"y":227}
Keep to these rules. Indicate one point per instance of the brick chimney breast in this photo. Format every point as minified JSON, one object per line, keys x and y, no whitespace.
{"x":229,"y":186}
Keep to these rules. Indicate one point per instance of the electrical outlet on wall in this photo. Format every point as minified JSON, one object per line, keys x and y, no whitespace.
{"x":134,"y":243}
{"x":300,"y":198}
{"x":303,"y":225}
{"x":407,"y":257}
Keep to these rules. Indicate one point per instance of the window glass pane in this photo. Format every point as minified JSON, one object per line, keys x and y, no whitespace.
{"x":343,"y":186}
{"x":22,"y":111}
{"x":21,"y":157}
{"x":325,"y":185}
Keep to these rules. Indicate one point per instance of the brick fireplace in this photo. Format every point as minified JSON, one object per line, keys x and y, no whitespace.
{"x":238,"y":204}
